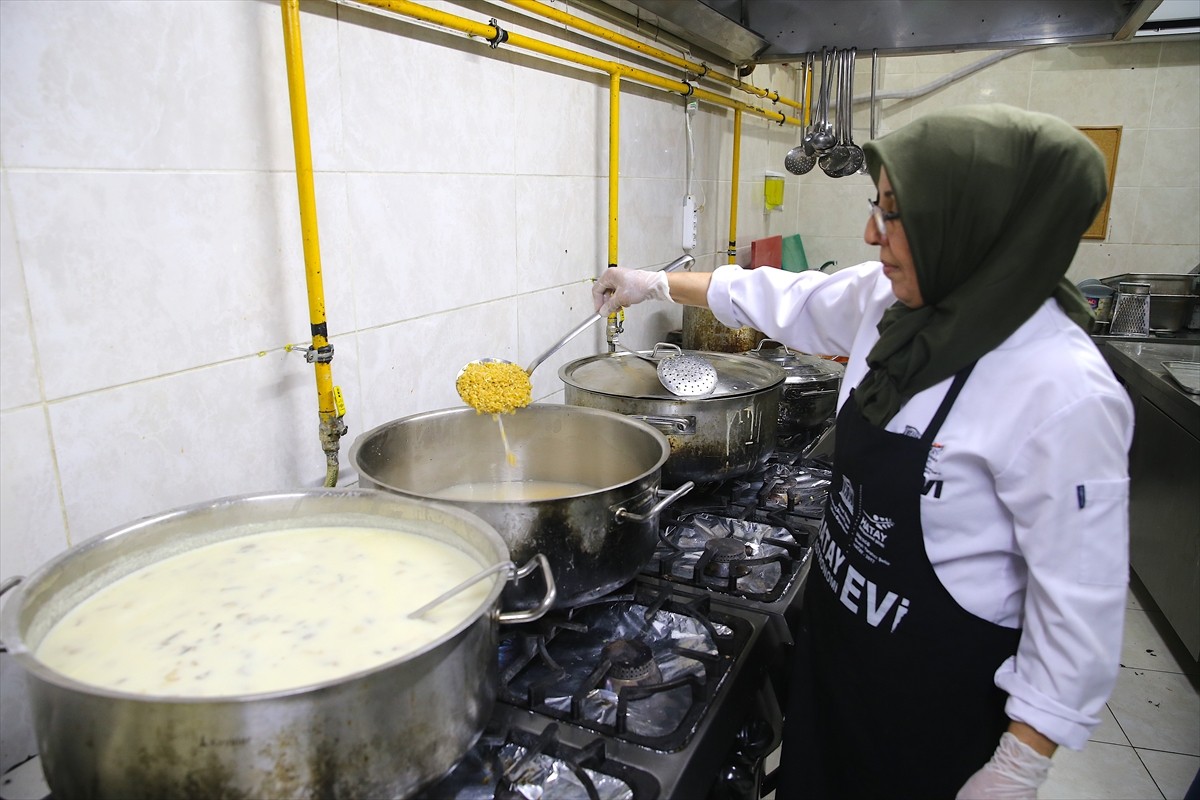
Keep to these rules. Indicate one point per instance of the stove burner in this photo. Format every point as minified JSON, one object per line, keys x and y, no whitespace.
{"x":632,"y":664}
{"x":725,"y":557}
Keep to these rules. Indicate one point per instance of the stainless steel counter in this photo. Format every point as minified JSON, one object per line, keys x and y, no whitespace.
{"x":1164,"y":472}
{"x":1140,"y":366}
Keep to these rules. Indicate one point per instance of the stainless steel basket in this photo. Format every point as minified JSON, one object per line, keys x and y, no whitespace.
{"x":1131,"y":312}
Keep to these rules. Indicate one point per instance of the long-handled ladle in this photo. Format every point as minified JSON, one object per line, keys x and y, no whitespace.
{"x":679,"y":263}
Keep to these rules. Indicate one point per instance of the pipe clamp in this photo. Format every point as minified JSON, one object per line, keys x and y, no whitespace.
{"x":500,"y":37}
{"x":321,"y":355}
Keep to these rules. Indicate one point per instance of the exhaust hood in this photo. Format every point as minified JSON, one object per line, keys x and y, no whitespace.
{"x":745,"y":32}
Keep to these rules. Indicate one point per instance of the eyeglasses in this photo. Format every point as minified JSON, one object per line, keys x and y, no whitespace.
{"x":881,"y":218}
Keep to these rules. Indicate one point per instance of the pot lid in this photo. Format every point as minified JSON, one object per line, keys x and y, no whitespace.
{"x":626,"y":375}
{"x":800,"y":367}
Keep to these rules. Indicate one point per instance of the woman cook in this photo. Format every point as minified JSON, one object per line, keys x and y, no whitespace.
{"x":965,"y":609}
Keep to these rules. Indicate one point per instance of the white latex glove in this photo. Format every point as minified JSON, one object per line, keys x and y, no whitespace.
{"x":1014,"y":773}
{"x":618,"y":287}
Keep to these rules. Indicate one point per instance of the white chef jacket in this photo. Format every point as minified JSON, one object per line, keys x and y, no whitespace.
{"x":1026,"y":508}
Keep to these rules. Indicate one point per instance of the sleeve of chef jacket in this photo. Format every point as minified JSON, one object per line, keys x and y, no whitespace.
{"x":810,"y":311}
{"x":1067,"y":488}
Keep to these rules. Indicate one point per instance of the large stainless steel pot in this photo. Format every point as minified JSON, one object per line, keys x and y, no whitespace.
{"x":810,"y":388}
{"x":380,"y":732}
{"x":721,"y":435}
{"x":595,"y":541}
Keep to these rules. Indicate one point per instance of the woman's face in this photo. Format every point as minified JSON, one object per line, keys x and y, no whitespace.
{"x":893,"y":248}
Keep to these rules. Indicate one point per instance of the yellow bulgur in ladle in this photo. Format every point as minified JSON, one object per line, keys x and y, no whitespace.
{"x":494,"y":387}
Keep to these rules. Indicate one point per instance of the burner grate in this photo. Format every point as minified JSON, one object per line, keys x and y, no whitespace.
{"x":573,"y":670}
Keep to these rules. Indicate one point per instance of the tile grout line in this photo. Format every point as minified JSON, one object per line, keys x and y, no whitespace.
{"x":1148,"y":772}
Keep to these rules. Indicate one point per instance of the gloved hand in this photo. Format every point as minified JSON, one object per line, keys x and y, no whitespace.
{"x":618,"y":287}
{"x":1014,"y":773}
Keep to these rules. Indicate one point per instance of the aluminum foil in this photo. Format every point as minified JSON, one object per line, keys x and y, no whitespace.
{"x":534,"y":776}
{"x":669,"y":635}
{"x":692,"y":532}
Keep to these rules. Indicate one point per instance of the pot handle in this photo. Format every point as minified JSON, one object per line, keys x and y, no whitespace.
{"x":7,"y":584}
{"x":679,"y":426}
{"x":667,"y":499}
{"x":538,"y":611}
{"x":775,"y":342}
{"x":817,"y":393}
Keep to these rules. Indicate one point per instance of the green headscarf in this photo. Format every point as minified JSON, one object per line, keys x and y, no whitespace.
{"x":993,"y":201}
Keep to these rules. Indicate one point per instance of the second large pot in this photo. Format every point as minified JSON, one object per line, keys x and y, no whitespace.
{"x":595,"y":540}
{"x":810,"y":390}
{"x":723,"y":434}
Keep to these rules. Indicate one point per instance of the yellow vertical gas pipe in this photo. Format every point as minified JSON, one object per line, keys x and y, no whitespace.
{"x":808,"y":87}
{"x":733,"y":193}
{"x":615,"y":320}
{"x":614,"y":162}
{"x":321,"y":353}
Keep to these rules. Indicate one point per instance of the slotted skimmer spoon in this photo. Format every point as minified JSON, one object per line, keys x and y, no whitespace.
{"x":683,"y":375}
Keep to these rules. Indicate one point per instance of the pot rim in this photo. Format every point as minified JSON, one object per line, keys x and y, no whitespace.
{"x":554,"y":408}
{"x":14,"y":640}
{"x":773,"y":376}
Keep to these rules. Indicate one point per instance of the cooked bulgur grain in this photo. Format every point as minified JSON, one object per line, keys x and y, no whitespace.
{"x":494,"y":387}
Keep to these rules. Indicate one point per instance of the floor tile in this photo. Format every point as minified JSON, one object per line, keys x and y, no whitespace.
{"x":1131,"y":600}
{"x":1172,"y":772}
{"x":1143,"y":646}
{"x":1099,"y":772}
{"x":1157,"y":710}
{"x":1108,"y":731}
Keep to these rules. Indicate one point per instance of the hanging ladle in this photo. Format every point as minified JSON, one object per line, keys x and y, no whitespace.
{"x":857,"y":158}
{"x":821,"y":139}
{"x":679,"y":263}
{"x":799,"y":161}
{"x":834,"y":161}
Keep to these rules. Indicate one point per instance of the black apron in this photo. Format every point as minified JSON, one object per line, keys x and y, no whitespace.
{"x":893,"y":693}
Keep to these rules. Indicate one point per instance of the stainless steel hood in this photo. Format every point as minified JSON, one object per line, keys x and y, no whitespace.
{"x":744,"y":32}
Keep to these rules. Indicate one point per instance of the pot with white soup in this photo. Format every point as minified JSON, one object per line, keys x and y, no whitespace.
{"x":332,"y":643}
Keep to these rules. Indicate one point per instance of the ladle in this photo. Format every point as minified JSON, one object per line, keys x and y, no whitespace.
{"x":679,"y":263}
{"x":822,"y":138}
{"x":835,"y":162}
{"x":799,"y":161}
{"x":857,"y":158}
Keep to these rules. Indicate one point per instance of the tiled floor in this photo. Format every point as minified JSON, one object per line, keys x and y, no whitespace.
{"x":1148,"y":745}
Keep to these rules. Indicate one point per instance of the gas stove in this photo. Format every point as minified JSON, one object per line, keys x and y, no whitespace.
{"x":670,"y":687}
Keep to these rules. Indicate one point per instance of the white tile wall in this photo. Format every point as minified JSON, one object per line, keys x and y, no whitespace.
{"x":151,"y":268}
{"x":17,"y":361}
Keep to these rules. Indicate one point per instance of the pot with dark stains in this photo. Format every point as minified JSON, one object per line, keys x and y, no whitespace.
{"x":580,"y":486}
{"x":726,"y":433}
{"x":810,"y":388}
{"x":378,"y":731}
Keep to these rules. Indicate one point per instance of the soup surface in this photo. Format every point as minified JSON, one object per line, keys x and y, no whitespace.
{"x":264,"y":612}
{"x":508,"y":491}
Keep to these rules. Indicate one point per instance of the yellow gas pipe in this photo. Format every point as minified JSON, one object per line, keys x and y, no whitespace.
{"x":700,"y":69}
{"x":616,"y":320}
{"x":614,"y":162}
{"x":321,"y":352}
{"x":733,"y":192}
{"x":495,"y":35}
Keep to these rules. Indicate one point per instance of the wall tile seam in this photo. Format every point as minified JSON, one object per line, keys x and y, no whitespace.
{"x":30,"y":321}
{"x":296,"y":353}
